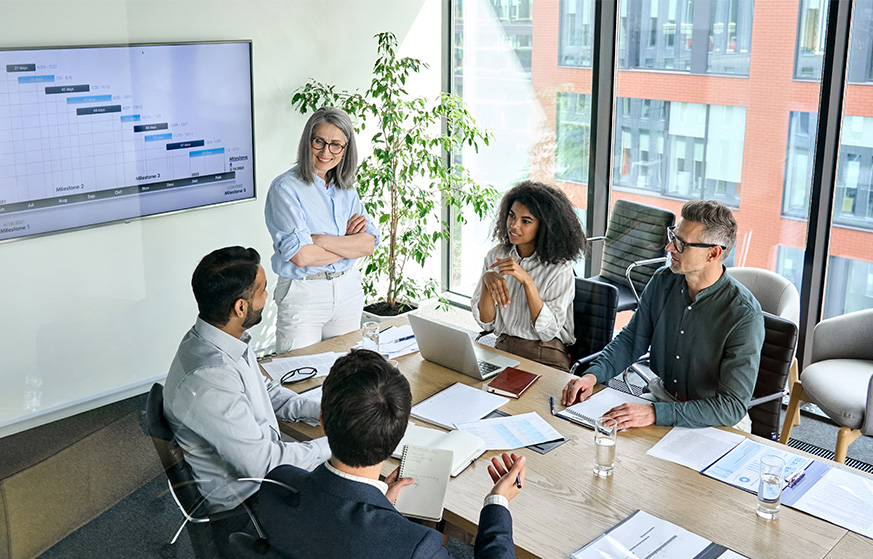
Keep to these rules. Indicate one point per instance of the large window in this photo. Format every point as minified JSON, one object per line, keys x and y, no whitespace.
{"x":811,"y":25}
{"x":681,"y":150}
{"x":702,"y":37}
{"x":701,"y":111}
{"x":853,"y":202}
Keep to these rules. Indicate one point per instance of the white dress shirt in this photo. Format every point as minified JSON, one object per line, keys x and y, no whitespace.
{"x":223,"y":413}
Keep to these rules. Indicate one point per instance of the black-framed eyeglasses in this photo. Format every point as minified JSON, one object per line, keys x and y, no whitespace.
{"x":299,"y":374}
{"x":335,"y":148}
{"x":680,"y":244}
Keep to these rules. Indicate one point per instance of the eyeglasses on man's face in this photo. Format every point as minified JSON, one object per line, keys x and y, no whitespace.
{"x":680,"y":245}
{"x":335,"y":148}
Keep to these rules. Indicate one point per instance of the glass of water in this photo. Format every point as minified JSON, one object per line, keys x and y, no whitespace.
{"x":772,"y":476}
{"x":605,"y":430}
{"x":370,"y":339}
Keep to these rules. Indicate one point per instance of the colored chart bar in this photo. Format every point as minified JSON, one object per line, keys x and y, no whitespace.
{"x":158,"y":137}
{"x":89,"y":99}
{"x":202,"y":152}
{"x":130,"y":118}
{"x":35,"y":79}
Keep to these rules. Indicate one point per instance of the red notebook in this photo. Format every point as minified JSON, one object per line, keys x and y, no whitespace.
{"x":511,"y":382}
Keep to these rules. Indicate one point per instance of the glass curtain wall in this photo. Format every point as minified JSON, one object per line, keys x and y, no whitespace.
{"x":715,"y":99}
{"x":503,"y":51}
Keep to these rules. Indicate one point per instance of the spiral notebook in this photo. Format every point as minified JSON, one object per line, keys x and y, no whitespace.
{"x":586,"y":413}
{"x":430,"y":468}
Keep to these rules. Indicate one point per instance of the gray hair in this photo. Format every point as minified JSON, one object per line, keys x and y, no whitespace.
{"x":343,"y":175}
{"x":719,"y":225}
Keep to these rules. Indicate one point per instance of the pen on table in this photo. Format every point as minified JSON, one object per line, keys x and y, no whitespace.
{"x":552,"y":404}
{"x":400,"y":339}
{"x":518,"y":481}
{"x":795,"y":478}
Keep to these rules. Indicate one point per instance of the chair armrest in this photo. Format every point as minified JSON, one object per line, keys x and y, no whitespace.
{"x":581,"y":365}
{"x":764,"y":399}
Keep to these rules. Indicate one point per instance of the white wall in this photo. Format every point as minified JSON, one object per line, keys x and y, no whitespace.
{"x":101,"y":311}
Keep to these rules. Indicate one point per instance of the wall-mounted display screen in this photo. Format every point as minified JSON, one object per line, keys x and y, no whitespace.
{"x":93,"y":135}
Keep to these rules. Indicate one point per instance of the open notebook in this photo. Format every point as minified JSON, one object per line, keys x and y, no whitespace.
{"x":465,"y":446}
{"x":587,"y":412}
{"x":429,"y":467}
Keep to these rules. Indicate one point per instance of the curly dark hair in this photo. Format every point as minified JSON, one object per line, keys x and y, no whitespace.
{"x":559,"y":237}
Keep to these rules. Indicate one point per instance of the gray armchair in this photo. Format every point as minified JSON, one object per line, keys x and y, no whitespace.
{"x":840,"y":378}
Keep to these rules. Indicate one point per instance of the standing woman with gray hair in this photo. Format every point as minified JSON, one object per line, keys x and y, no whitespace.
{"x":319,"y":228}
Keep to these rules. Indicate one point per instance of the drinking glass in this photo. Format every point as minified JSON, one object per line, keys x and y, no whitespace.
{"x":370,"y":339}
{"x":772,"y":475}
{"x":605,"y":430}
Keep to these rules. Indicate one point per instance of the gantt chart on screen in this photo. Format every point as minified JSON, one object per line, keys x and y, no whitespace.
{"x":95,"y":135}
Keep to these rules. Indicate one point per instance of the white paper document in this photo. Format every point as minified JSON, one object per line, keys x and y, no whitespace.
{"x":695,"y":448}
{"x":740,"y":466}
{"x":395,"y":341}
{"x":512,"y":431}
{"x":458,"y":403}
{"x":841,"y":497}
{"x":642,"y":535}
{"x":322,"y":362}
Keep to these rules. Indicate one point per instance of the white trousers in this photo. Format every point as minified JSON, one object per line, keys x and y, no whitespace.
{"x":310,"y":311}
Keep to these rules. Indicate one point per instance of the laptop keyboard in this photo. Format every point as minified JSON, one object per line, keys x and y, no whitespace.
{"x":485,"y":367}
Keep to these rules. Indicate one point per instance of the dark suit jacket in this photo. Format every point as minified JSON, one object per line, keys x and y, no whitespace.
{"x":334,"y":517}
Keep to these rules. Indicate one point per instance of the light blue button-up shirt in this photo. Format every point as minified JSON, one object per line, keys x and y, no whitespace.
{"x":224,"y":412}
{"x":295,"y":211}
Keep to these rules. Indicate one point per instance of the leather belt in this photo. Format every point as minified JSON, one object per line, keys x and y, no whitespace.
{"x":324,"y":275}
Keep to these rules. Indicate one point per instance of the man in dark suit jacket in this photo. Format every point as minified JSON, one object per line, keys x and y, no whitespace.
{"x":341,"y":509}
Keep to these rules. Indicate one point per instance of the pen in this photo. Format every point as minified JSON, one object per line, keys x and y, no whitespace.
{"x":795,"y":478}
{"x":518,"y":481}
{"x":552,"y":404}
{"x":401,"y":339}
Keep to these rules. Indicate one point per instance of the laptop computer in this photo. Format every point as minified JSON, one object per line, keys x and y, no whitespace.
{"x":453,"y":349}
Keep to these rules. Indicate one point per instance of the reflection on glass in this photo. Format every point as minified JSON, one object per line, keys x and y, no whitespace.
{"x":703,"y":37}
{"x":684,"y":150}
{"x":811,"y":28}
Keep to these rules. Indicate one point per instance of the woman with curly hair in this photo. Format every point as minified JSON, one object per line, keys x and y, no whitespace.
{"x":525,"y":294}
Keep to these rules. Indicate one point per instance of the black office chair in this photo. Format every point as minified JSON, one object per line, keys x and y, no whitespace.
{"x":181,"y":482}
{"x":594,"y":308}
{"x":636,"y":232}
{"x":777,"y":354}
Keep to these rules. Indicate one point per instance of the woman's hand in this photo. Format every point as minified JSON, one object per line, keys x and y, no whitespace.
{"x":495,"y":285}
{"x":509,"y":267}
{"x":357,"y":224}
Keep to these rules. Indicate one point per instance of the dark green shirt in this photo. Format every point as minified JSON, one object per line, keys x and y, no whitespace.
{"x":707,"y":351}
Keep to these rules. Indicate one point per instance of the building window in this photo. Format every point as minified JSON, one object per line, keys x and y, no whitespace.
{"x":699,"y":37}
{"x":573,"y":131}
{"x":811,"y":27}
{"x":853,"y":199}
{"x":577,"y":33}
{"x":680,"y":150}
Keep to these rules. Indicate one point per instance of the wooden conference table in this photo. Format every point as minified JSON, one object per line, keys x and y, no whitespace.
{"x":564,"y":506}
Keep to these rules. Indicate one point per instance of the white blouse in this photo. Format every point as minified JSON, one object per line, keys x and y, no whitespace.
{"x":555,"y":283}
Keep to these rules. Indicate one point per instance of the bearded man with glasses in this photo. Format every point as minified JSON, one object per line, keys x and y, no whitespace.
{"x":703,"y":329}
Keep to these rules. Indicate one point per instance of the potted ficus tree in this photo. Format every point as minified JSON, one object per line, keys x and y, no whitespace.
{"x":408,"y":176}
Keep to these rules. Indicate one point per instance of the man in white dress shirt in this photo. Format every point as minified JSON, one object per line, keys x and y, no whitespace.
{"x":220,"y":407}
